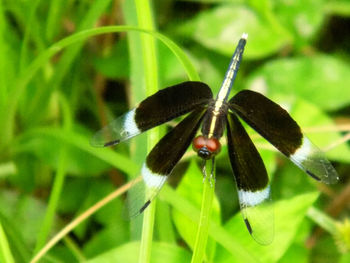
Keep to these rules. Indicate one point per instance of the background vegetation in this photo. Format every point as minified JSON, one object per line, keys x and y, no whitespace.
{"x":59,"y":86}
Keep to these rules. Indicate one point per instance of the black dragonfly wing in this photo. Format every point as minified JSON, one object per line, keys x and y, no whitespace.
{"x":162,"y":159}
{"x":252,"y":182}
{"x":277,"y":126}
{"x":157,"y":109}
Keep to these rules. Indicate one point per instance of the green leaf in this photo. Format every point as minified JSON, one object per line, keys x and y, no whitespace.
{"x":304,"y":18}
{"x":81,"y":142}
{"x":105,"y":240}
{"x":78,"y":162}
{"x":296,"y":253}
{"x":128,"y":253}
{"x":220,"y":28}
{"x":24,"y":212}
{"x":291,"y":181}
{"x":191,"y":188}
{"x":345,"y":258}
{"x":116,"y":64}
{"x":216,"y":231}
{"x":325,"y":250}
{"x":71,"y":199}
{"x":5,"y":251}
{"x":95,"y":190}
{"x":320,"y":79}
{"x":288,"y":215}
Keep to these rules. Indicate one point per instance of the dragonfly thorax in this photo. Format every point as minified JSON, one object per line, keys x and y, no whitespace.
{"x":205,"y":147}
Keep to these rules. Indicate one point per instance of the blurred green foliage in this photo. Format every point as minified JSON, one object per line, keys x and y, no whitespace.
{"x":52,"y":100}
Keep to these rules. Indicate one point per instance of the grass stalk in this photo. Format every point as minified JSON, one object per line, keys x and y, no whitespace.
{"x":23,"y":79}
{"x":3,"y":73}
{"x":61,"y":234}
{"x":58,"y":181}
{"x":74,"y":248}
{"x":205,"y":215}
{"x":217,"y":232}
{"x":53,"y":18}
{"x":5,"y":252}
{"x":323,"y":220}
{"x":145,"y":20}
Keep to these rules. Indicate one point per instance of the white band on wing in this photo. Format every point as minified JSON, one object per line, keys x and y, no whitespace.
{"x":303,"y":152}
{"x":249,"y":198}
{"x":130,"y":125}
{"x":152,"y":179}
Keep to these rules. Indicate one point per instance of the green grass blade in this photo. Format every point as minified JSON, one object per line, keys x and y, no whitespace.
{"x":42,"y":96}
{"x":7,"y":126}
{"x":217,"y":232}
{"x":53,"y":18}
{"x":111,"y":157}
{"x":5,"y":252}
{"x":58,"y":182}
{"x":3,"y":54}
{"x":7,"y":168}
{"x":205,"y":215}
{"x":138,"y":146}
{"x":149,"y":59}
{"x":323,"y":220}
{"x":27,"y":34}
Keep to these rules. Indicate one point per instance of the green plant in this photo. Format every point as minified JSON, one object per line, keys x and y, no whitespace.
{"x":65,"y":70}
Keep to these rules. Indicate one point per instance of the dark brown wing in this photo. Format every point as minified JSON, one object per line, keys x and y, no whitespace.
{"x":157,"y":109}
{"x":252,"y":182}
{"x":162,"y":159}
{"x":277,"y":126}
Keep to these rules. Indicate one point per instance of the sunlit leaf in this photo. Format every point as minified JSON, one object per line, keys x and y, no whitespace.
{"x":128,"y":253}
{"x":288,"y":216}
{"x":220,"y":28}
{"x":304,"y":18}
{"x":191,"y":187}
{"x":320,"y":79}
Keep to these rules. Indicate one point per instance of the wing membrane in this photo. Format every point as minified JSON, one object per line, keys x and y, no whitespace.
{"x":277,"y":126}
{"x":252,"y":182}
{"x":163,"y":158}
{"x":157,"y":109}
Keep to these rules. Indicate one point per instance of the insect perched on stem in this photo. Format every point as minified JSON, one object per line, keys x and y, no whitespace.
{"x":193,"y":97}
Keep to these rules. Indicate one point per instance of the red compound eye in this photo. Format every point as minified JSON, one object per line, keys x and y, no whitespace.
{"x":199,"y":142}
{"x":213,"y":145}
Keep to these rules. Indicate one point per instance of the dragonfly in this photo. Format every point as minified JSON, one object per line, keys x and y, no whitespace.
{"x":214,"y":116}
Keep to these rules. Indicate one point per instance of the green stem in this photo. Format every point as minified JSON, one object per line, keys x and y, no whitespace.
{"x":74,"y":248}
{"x":216,"y":232}
{"x":4,"y":90}
{"x":204,"y":219}
{"x":5,"y":251}
{"x":7,"y":113}
{"x":58,"y":182}
{"x":323,"y":220}
{"x":145,"y":20}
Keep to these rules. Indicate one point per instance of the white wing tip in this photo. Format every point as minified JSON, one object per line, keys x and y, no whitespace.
{"x":245,"y":36}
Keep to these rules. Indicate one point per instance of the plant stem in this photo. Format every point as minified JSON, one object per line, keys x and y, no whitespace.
{"x":145,"y":20}
{"x":58,"y":181}
{"x":323,"y":220}
{"x":5,"y":251}
{"x":204,"y":219}
{"x":216,"y":232}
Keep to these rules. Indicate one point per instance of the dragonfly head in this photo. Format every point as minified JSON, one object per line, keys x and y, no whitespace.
{"x":205,"y":147}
